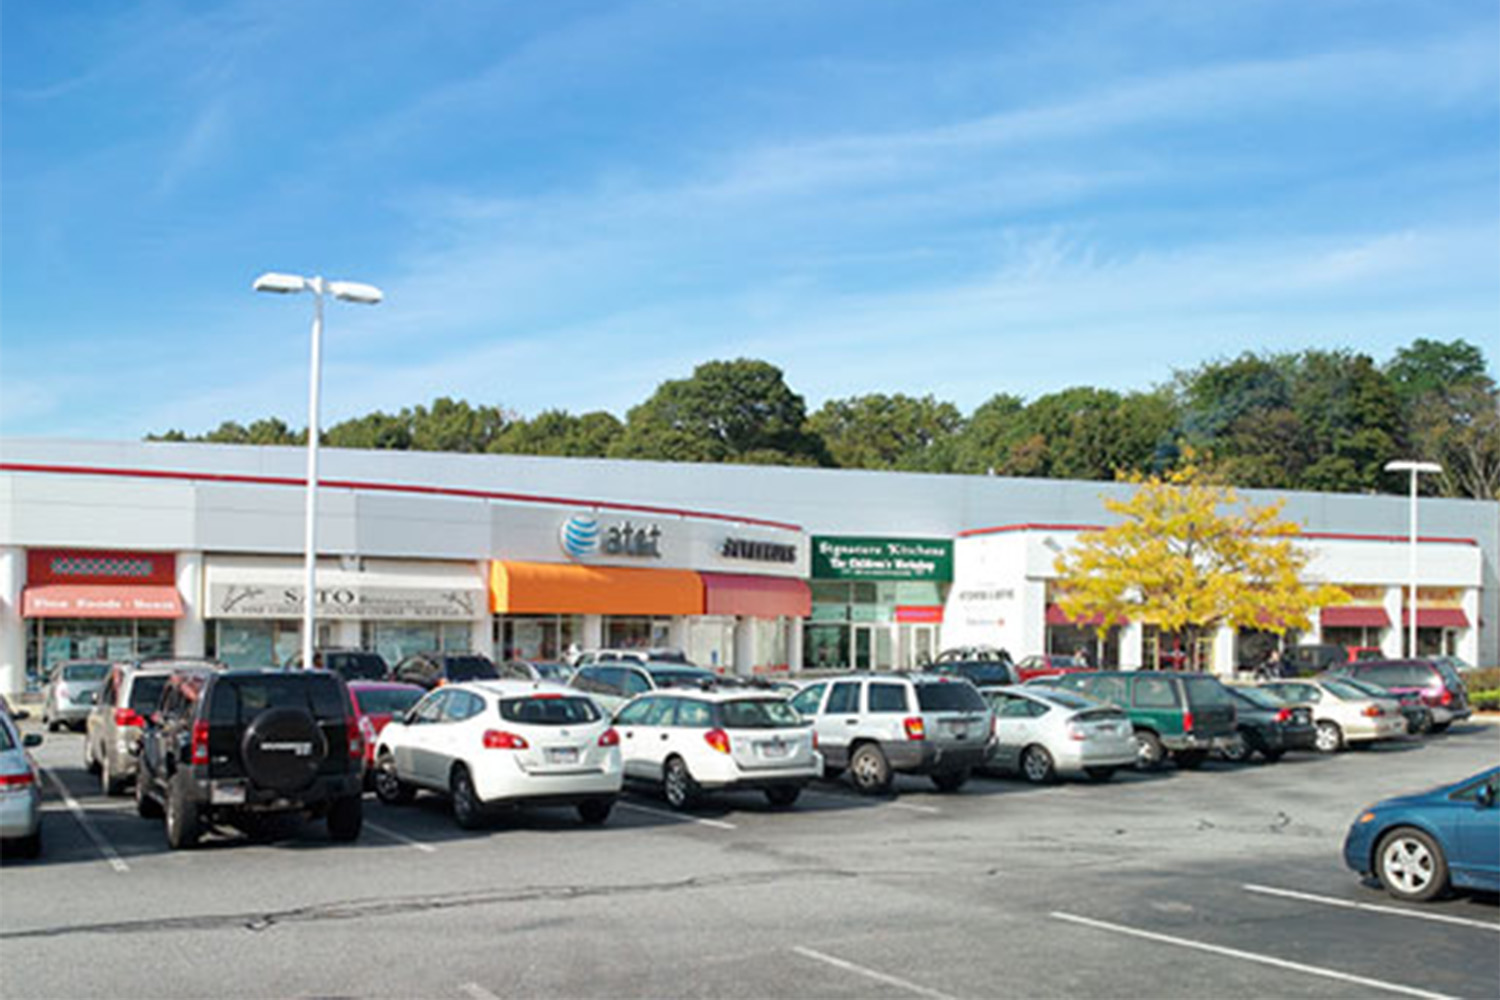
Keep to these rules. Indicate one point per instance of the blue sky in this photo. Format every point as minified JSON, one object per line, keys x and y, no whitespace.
{"x":567,"y":203}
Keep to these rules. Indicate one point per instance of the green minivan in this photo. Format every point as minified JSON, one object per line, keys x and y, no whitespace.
{"x":1183,"y":715}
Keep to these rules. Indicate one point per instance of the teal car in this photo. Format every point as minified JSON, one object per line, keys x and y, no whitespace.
{"x":1182,"y":716}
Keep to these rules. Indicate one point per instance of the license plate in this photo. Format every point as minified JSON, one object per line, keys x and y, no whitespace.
{"x":228,"y":795}
{"x":959,"y":730}
{"x":774,"y":749}
{"x":562,"y":755}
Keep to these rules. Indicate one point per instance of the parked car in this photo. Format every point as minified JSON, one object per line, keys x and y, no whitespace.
{"x":239,"y":745}
{"x":20,"y":791}
{"x":1313,"y":658}
{"x":1048,"y":665}
{"x":988,"y":654}
{"x":658,"y":654}
{"x":113,"y":728}
{"x":1043,"y":733}
{"x":1418,"y":846}
{"x":980,"y":673}
{"x":723,"y":738}
{"x":376,"y":703}
{"x":350,"y":664}
{"x":1181,"y":715}
{"x":536,"y":670}
{"x":70,"y":692}
{"x":1359,"y":654}
{"x":1417,"y":715}
{"x":1343,"y":713}
{"x":1437,"y":684}
{"x":487,"y":744}
{"x":612,"y":684}
{"x":432,"y":669}
{"x":1269,"y":727}
{"x":880,"y":725}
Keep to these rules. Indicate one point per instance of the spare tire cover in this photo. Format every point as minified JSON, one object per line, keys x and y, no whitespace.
{"x":282,"y":749}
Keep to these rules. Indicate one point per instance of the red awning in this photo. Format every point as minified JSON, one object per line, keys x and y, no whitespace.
{"x":1057,"y":616}
{"x":1347,"y":617}
{"x":93,"y":600}
{"x":1437,"y":618}
{"x":755,"y":596}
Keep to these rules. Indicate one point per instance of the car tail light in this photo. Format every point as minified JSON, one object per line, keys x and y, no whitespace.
{"x":200,"y":742}
{"x":1187,"y":722}
{"x":354,"y":730}
{"x":128,"y":717}
{"x":718,"y":739}
{"x":1076,"y":732}
{"x":17,"y":781}
{"x":609,"y":738}
{"x":499,"y":739}
{"x":1373,"y":711}
{"x":1285,"y":715}
{"x":1446,"y":698}
{"x":916,"y":729}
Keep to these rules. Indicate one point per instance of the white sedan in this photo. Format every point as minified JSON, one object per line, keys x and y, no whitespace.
{"x":1343,"y":713}
{"x":502,"y":743}
{"x":1041,"y":732}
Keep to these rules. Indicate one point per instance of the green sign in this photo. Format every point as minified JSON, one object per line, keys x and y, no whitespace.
{"x":844,"y":558}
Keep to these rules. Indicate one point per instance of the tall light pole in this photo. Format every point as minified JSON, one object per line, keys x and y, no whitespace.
{"x":348,"y":291}
{"x":1416,"y":469}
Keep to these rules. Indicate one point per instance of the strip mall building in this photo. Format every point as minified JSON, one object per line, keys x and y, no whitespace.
{"x":124,"y":550}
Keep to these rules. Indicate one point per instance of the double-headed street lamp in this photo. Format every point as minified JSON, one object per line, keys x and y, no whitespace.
{"x":1416,"y":469}
{"x":348,"y":291}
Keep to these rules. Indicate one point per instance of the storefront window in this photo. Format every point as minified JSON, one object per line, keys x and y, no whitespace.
{"x":53,"y":640}
{"x":257,"y":643}
{"x":826,"y":646}
{"x":710,"y":641}
{"x":771,"y":643}
{"x":1067,"y":640}
{"x":542,"y":638}
{"x":636,"y":633}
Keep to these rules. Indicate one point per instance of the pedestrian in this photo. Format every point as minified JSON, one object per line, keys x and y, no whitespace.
{"x":1274,"y":667}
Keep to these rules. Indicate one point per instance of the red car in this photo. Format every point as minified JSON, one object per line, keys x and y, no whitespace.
{"x":375,"y":704}
{"x":1048,"y":665}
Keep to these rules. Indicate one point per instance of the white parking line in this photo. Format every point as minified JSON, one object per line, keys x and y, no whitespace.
{"x":715,"y":823}
{"x":110,"y":854}
{"x":839,"y":963}
{"x":403,"y":838}
{"x":1250,"y":956}
{"x":1441,"y":918}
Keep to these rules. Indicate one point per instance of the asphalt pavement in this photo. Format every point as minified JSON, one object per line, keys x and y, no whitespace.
{"x":1226,"y":882}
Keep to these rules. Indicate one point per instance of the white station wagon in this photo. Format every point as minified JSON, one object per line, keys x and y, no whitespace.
{"x":488,"y":744}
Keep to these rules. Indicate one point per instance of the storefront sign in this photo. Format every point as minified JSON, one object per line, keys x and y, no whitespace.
{"x":985,"y":606}
{"x":584,"y":536}
{"x":45,"y":566}
{"x":844,"y":558}
{"x":229,"y":600}
{"x":757,"y":551}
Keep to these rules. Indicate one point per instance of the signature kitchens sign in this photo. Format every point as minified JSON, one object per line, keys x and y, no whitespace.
{"x":232,"y":600}
{"x":845,"y":558}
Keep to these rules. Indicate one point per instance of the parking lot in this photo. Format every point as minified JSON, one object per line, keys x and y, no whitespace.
{"x":1223,"y":882}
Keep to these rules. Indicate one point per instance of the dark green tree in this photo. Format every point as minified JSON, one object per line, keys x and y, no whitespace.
{"x":455,"y":425}
{"x":556,"y":432}
{"x":375,"y":431}
{"x":889,"y":432}
{"x":994,"y":439}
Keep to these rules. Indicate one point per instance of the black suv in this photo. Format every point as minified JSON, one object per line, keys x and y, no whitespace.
{"x":236,"y":746}
{"x":429,"y":670}
{"x":350,"y":664}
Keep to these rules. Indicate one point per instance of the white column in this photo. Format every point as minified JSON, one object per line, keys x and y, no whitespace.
{"x":593,"y":632}
{"x":189,"y":631}
{"x":1224,"y":657}
{"x":1390,"y":641}
{"x":482,"y":636}
{"x":1132,"y":639}
{"x":12,"y":625}
{"x":743,"y":661}
{"x":677,"y":632}
{"x":794,"y":647}
{"x":1468,"y":642}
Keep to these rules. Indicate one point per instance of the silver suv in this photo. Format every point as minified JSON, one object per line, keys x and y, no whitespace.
{"x":879,"y":725}
{"x":113,"y":728}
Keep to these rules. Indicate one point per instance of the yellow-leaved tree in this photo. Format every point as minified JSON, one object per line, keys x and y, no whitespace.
{"x":1188,"y":555}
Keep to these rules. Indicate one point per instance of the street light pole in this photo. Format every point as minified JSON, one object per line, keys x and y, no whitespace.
{"x":1415,"y":469}
{"x":348,"y":291}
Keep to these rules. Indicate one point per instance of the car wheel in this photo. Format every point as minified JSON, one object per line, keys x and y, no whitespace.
{"x":389,"y":788}
{"x":1037,"y":766}
{"x":1099,"y":774}
{"x":184,"y":826}
{"x":870,"y":770}
{"x":1149,"y":753}
{"x":1237,"y":751}
{"x":1330,"y":738}
{"x":594,"y":812}
{"x":1190,"y":760}
{"x":1272,"y":756}
{"x":345,"y":818}
{"x":145,"y":806}
{"x":782,"y":796}
{"x":1439,"y":727}
{"x":951,"y":781}
{"x":678,"y":786}
{"x":1410,"y":865}
{"x":467,"y":810}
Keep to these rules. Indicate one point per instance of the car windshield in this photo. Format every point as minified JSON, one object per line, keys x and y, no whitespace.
{"x":85,"y":671}
{"x":759,"y":713}
{"x":549,"y":710}
{"x":1366,"y":687}
{"x":1256,"y":699}
{"x":1069,"y":699}
{"x":1343,"y":689}
{"x":949,"y":698}
{"x":471,"y":668}
{"x":1206,"y":691}
{"x":387,"y":701}
{"x":1450,"y":675}
{"x":359,"y":666}
{"x":676,"y":678}
{"x":239,"y":699}
{"x":7,"y":740}
{"x":553,"y":671}
{"x":146,"y":692}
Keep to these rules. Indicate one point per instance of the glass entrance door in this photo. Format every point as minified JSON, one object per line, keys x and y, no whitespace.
{"x":863,"y":647}
{"x":920,"y":645}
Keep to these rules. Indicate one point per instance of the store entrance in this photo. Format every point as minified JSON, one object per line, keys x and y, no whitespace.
{"x":919,"y":643}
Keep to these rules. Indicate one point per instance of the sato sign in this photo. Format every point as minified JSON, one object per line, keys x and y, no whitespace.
{"x":845,"y":558}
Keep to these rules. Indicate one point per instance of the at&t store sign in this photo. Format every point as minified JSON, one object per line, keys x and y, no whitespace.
{"x":585,"y":536}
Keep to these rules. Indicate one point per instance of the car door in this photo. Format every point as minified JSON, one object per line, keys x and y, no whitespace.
{"x":414,"y":752}
{"x":1012,"y":720}
{"x":839,"y":721}
{"x":639,"y":725}
{"x":1156,"y":704}
{"x":453,"y":739}
{"x":1476,"y":855}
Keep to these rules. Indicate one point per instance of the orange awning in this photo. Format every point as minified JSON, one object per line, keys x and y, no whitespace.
{"x":521,"y":588}
{"x":91,"y":600}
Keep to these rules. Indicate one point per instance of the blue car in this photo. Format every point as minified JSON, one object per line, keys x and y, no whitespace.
{"x":1419,"y":845}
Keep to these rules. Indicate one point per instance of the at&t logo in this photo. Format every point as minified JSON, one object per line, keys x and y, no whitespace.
{"x":580,"y":536}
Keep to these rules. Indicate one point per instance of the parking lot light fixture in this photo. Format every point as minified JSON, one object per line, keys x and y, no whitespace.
{"x":1415,"y":469}
{"x":348,"y":291}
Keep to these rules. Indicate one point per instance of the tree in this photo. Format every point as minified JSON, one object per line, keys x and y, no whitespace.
{"x":1452,"y":415}
{"x":1184,"y":559}
{"x":454,"y":425}
{"x":994,"y":438}
{"x":728,"y":411}
{"x":557,"y":432}
{"x":1430,"y":366}
{"x":375,"y":431}
{"x":889,"y":432}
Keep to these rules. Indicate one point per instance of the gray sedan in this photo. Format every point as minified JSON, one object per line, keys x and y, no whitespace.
{"x":71,"y":691}
{"x":20,"y":790}
{"x":1043,"y":732}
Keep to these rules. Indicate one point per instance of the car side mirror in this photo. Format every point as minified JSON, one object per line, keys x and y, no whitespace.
{"x":31,"y":740}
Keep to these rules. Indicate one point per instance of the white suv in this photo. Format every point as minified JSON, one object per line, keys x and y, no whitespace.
{"x":493,"y":743}
{"x":691,"y":741}
{"x":879,"y":724}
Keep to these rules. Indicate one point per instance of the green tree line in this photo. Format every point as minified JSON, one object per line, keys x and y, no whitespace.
{"x":1309,"y":420}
